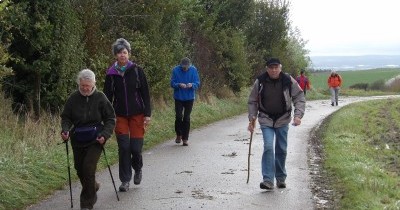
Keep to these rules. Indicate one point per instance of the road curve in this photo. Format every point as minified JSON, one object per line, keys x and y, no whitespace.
{"x":211,"y":172}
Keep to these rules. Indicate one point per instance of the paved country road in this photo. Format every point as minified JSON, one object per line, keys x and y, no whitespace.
{"x":211,"y":172}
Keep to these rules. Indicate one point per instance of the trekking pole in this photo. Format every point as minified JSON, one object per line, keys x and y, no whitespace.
{"x":248,"y":157}
{"x":112,"y":178}
{"x":69,"y":172}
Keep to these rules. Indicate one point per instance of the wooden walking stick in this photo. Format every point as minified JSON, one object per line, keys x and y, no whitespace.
{"x":248,"y":157}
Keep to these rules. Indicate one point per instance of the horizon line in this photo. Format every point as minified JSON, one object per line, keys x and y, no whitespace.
{"x":343,"y":55}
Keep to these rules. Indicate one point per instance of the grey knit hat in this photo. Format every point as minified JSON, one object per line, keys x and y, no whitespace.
{"x":119,"y":45}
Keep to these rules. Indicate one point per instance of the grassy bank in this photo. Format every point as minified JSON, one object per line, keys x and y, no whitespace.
{"x":319,"y":94}
{"x":362,"y":154}
{"x":320,"y":89}
{"x":33,"y":165}
{"x":319,"y":79}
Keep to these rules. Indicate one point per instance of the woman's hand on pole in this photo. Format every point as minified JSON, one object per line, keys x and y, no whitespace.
{"x":65,"y":135}
{"x":101,"y":139}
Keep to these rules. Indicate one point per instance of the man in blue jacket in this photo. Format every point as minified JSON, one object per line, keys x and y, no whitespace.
{"x":185,"y":81}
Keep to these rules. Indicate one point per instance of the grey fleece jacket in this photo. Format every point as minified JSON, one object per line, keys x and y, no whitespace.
{"x":296,"y":98}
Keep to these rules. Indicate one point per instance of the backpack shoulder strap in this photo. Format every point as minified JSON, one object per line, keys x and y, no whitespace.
{"x":112,"y":84}
{"x":138,"y":85}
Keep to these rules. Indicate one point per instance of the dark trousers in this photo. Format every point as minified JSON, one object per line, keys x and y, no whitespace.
{"x":85,"y":161}
{"x":183,"y":109}
{"x":130,"y":156}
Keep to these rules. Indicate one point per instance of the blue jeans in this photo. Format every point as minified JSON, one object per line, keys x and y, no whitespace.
{"x":273,"y":160}
{"x":334,"y":94}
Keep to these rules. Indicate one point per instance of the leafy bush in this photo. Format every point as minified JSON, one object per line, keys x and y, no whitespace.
{"x":394,"y":85}
{"x":378,"y":85}
{"x":362,"y":86}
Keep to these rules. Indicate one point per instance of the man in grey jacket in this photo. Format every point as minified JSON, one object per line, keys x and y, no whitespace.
{"x":271,"y":100}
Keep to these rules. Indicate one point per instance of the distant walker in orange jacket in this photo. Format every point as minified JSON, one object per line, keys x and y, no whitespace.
{"x":303,"y":81}
{"x":334,"y":83}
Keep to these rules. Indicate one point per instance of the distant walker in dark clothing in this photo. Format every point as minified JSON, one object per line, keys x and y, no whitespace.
{"x":185,"y":81}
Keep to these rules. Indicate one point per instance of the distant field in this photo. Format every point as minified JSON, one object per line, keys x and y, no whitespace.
{"x":319,"y":79}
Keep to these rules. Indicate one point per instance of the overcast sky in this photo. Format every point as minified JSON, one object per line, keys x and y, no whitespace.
{"x":348,"y":27}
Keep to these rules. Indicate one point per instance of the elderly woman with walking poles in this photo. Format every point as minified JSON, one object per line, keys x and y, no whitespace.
{"x":88,"y":119}
{"x":271,"y":100}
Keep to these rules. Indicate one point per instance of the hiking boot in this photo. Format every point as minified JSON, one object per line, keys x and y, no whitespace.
{"x":178,"y":139}
{"x":97,"y":186}
{"x":185,"y":143}
{"x":266,"y":185}
{"x":280,"y":184}
{"x":337,"y":103}
{"x":333,"y":104}
{"x":124,"y":187}
{"x":137,"y":178}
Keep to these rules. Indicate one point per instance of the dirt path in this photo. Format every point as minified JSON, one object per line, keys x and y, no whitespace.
{"x":211,"y":173}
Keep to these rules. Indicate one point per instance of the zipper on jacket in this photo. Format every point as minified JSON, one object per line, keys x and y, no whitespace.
{"x":126,"y":97}
{"x":87,"y":102}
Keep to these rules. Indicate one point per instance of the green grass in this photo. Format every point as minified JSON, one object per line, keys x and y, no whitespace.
{"x":33,"y":165}
{"x":320,"y":89}
{"x":362,"y":149}
{"x":319,"y":79}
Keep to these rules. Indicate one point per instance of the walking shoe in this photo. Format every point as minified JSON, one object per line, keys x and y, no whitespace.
{"x":333,"y":104}
{"x":280,"y":184}
{"x":178,"y":139}
{"x":185,"y":143}
{"x":137,"y":178}
{"x":266,"y":185}
{"x":337,"y":103}
{"x":124,"y":187}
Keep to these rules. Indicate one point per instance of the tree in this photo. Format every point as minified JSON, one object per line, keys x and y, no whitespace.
{"x":154,"y":30}
{"x":4,"y":71}
{"x":297,"y":53}
{"x":230,"y":13}
{"x":218,"y":44}
{"x":271,"y":34}
{"x":44,"y":45}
